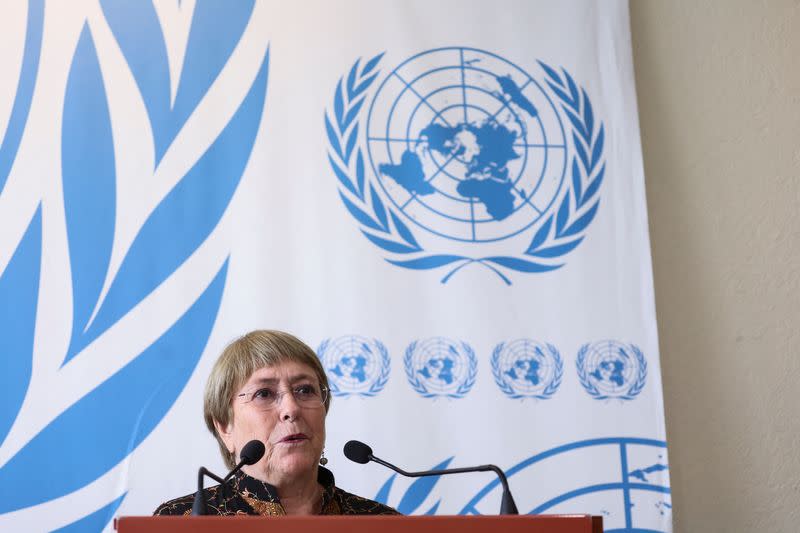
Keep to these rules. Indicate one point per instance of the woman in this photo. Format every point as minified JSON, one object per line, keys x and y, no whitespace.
{"x":270,"y":386}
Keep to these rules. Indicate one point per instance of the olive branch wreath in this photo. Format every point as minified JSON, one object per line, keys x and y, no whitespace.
{"x":557,"y":235}
{"x":546,"y":393}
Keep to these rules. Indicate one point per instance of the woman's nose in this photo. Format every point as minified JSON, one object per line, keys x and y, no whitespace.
{"x":288,"y":407}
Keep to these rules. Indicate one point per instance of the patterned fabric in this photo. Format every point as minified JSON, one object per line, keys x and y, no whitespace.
{"x":247,"y":495}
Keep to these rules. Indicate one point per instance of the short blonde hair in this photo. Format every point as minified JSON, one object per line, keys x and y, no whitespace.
{"x":238,"y":361}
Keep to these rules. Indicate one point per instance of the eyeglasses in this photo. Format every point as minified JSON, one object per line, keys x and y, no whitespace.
{"x":305,"y":395}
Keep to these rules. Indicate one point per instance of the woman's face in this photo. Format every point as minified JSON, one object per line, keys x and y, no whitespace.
{"x":293,"y":432}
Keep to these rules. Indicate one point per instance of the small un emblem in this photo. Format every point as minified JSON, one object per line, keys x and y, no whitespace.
{"x":611,"y":369}
{"x":440,"y":367}
{"x":526,"y":368}
{"x":356,"y":366}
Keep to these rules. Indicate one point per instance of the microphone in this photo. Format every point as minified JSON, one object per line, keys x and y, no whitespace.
{"x":361,"y":453}
{"x":251,"y":453}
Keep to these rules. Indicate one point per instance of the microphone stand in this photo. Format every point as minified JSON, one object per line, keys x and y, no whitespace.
{"x":507,"y":505}
{"x":251,"y":453}
{"x":199,"y":507}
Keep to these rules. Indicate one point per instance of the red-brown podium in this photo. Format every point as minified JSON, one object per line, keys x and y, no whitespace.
{"x":362,"y":524}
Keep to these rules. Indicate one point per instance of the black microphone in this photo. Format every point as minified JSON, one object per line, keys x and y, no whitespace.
{"x":252,"y":453}
{"x":361,"y":453}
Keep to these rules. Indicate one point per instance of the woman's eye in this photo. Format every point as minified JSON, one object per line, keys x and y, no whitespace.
{"x":305,"y":390}
{"x":263,"y":394}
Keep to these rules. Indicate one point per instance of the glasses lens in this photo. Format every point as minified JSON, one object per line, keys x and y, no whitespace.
{"x":306,"y":395}
{"x":265,"y":398}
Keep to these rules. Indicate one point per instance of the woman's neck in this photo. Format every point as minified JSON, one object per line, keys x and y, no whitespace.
{"x":301,"y":500}
{"x":299,"y":495}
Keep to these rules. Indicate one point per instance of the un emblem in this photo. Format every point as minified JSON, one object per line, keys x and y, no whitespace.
{"x":461,"y":157}
{"x":440,"y":367}
{"x":525,"y":368}
{"x":356,"y":366}
{"x":611,"y":369}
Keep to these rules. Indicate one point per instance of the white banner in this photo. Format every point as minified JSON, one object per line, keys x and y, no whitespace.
{"x":444,"y":199}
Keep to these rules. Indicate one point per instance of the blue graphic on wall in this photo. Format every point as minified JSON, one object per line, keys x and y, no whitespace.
{"x":439,"y":367}
{"x":134,"y":399}
{"x":356,"y":366}
{"x":12,"y":136}
{"x":611,"y":369}
{"x":637,"y":466}
{"x":526,"y":368}
{"x":471,"y":150}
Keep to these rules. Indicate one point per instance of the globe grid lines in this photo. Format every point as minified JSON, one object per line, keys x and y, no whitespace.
{"x":507,"y":356}
{"x":624,"y":485}
{"x":527,"y":347}
{"x":605,"y":356}
{"x":472,"y":216}
{"x":516,"y":188}
{"x":400,"y":94}
{"x":409,"y":141}
{"x":463,"y":86}
{"x":438,"y":346}
{"x":441,"y":169}
{"x":349,"y":346}
{"x":632,"y":375}
{"x":626,"y":492}
{"x":439,"y":114}
{"x":504,"y":103}
{"x":454,"y":178}
{"x":414,"y":195}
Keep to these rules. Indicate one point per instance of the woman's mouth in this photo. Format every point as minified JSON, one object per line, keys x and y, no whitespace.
{"x":295,"y":438}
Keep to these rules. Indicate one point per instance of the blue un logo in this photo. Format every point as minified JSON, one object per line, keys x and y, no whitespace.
{"x":526,"y":368}
{"x":611,"y":369}
{"x":356,"y":366}
{"x":466,"y":144}
{"x":440,"y":367}
{"x":458,"y":156}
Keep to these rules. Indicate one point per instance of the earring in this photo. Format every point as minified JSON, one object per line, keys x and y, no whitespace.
{"x":323,"y":460}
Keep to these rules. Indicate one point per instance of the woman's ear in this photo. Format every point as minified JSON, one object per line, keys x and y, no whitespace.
{"x":225,"y":433}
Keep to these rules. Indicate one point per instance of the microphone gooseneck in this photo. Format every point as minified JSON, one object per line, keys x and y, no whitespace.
{"x":251,"y":453}
{"x":361,"y":453}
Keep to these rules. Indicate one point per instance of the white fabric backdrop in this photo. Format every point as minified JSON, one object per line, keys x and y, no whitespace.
{"x":174,"y":176}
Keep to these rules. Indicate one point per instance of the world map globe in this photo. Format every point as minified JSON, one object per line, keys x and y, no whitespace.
{"x":611,"y":367}
{"x":351,"y":363}
{"x":466,"y":144}
{"x":526,"y":366}
{"x":440,"y":363}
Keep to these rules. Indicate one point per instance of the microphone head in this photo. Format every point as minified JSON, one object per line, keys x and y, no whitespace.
{"x":252,"y":452}
{"x":357,"y":452}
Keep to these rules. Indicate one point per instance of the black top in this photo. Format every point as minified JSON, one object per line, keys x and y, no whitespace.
{"x":248,"y":495}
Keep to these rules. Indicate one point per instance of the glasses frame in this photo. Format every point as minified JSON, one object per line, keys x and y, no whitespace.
{"x":324,"y":393}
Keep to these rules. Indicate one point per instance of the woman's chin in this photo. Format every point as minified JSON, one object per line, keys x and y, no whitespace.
{"x":295,"y":462}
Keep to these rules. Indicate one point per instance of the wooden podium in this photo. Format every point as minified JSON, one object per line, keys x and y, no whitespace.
{"x":361,"y":524}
